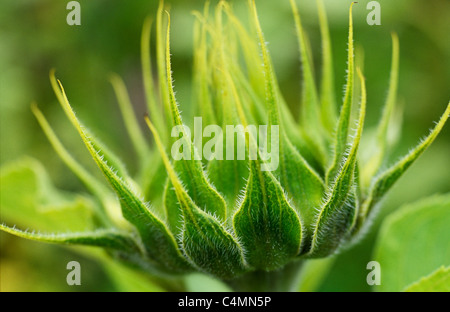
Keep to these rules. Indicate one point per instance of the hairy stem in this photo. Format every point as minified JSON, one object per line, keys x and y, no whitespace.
{"x":283,"y":280}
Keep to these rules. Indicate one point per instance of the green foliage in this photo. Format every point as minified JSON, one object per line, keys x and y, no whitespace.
{"x":29,"y":196}
{"x":438,"y":281}
{"x":412,"y":244}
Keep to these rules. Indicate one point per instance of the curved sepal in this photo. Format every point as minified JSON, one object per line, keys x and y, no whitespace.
{"x":206,"y":242}
{"x":157,"y":239}
{"x":188,"y":166}
{"x":337,"y":215}
{"x":111,"y":239}
{"x":343,"y":126}
{"x":266,"y":224}
{"x":383,"y":182}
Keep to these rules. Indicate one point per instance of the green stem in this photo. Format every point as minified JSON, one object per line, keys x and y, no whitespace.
{"x":283,"y":280}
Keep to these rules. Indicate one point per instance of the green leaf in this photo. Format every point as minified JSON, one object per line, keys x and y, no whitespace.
{"x":343,"y":127}
{"x":266,"y":223}
{"x":29,"y":198}
{"x":158,"y":240}
{"x":206,"y":242}
{"x":412,"y":242}
{"x":384,"y":181}
{"x":338,"y":213}
{"x":111,"y":239}
{"x":438,"y":281}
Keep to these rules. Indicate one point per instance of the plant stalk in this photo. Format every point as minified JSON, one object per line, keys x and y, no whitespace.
{"x":283,"y":280}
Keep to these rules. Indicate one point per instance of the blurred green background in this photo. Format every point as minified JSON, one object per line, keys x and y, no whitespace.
{"x":34,"y":37}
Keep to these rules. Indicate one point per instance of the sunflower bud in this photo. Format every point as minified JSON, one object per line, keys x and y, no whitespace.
{"x":248,"y":204}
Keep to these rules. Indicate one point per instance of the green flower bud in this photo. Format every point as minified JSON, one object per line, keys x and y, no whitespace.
{"x":304,"y":193}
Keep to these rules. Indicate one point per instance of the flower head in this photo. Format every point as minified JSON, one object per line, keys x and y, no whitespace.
{"x":230,"y":217}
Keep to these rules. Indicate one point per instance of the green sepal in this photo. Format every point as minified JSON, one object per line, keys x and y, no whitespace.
{"x":111,"y":239}
{"x":294,"y":173}
{"x":385,"y":180}
{"x":266,"y":223}
{"x":147,"y":77}
{"x":337,"y":215}
{"x":310,"y":119}
{"x":388,"y":121}
{"x":229,"y":177}
{"x":96,"y":187}
{"x":189,"y":168}
{"x":206,"y":242}
{"x":129,"y":117}
{"x":156,"y":237}
{"x":303,"y":185}
{"x":327,"y":90}
{"x":343,"y":126}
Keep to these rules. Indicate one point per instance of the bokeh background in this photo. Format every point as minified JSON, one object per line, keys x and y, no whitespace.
{"x":34,"y":37}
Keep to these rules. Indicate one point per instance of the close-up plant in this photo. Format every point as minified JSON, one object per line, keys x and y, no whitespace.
{"x":239,"y":187}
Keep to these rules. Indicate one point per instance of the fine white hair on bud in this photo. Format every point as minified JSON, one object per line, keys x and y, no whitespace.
{"x":297,"y":191}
